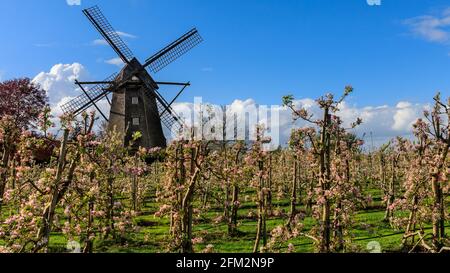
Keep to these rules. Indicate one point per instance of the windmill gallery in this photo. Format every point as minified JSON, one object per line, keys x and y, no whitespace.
{"x":136,"y":104}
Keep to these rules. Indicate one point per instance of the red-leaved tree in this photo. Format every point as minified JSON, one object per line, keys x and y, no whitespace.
{"x":22,"y":100}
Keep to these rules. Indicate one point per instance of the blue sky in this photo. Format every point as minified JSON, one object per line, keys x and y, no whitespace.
{"x":396,"y":54}
{"x":260,"y":49}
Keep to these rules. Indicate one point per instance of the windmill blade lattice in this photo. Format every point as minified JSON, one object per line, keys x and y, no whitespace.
{"x":83,"y":102}
{"x":107,"y":31}
{"x":173,"y":51}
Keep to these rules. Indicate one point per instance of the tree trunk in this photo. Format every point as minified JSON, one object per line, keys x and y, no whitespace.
{"x":269,"y":186}
{"x":437,"y":193}
{"x":293,"y":211}
{"x":391,"y":192}
{"x":324,"y":179}
{"x":260,"y":232}
{"x":110,"y":213}
{"x":205,"y":194}
{"x":227,"y":204}
{"x":234,"y":211}
{"x":134,"y":190}
{"x":58,"y":193}
{"x":439,"y":201}
{"x":186,"y":208}
{"x":411,"y":221}
{"x":89,"y":242}
{"x":338,"y":231}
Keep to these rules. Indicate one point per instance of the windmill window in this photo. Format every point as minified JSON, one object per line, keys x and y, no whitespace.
{"x":135,"y":121}
{"x":134,"y":100}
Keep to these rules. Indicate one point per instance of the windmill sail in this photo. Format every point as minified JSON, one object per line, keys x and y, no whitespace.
{"x":107,"y":31}
{"x":83,"y":101}
{"x":173,"y":51}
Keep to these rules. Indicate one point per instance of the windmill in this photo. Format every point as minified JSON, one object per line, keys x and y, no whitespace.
{"x":136,"y":104}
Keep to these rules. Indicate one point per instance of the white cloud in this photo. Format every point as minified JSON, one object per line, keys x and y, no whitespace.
{"x":73,"y":2}
{"x":101,"y":42}
{"x":405,"y":115}
{"x":115,"y":61}
{"x":59,"y":82}
{"x":433,"y":28}
{"x":385,"y":122}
